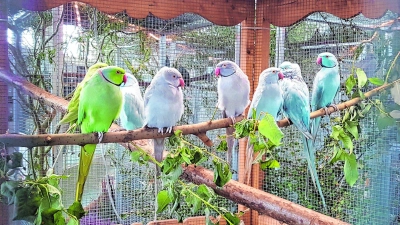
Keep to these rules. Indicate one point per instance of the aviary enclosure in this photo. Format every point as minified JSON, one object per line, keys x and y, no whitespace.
{"x":47,"y":47}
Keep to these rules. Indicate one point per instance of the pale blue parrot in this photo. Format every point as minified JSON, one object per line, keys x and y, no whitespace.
{"x":132,"y":113}
{"x":233,"y":96}
{"x":296,"y":107}
{"x":163,"y":104}
{"x":326,"y":85}
{"x":268,"y":99}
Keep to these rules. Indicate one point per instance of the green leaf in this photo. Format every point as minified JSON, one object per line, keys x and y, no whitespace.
{"x":338,"y":155}
{"x":376,"y":81}
{"x":350,"y":82}
{"x":135,"y":156}
{"x":254,"y":114}
{"x":8,"y":189}
{"x":174,"y":174}
{"x":76,"y":210}
{"x":361,"y":77}
{"x":347,"y":142}
{"x":27,"y":201}
{"x":205,"y":192}
{"x":222,"y":173}
{"x":352,"y":128}
{"x":233,"y":219}
{"x":337,"y":130}
{"x":271,"y":164}
{"x":385,"y":121}
{"x":270,"y":129}
{"x":223,"y":146}
{"x":350,"y":169}
{"x":162,"y":200}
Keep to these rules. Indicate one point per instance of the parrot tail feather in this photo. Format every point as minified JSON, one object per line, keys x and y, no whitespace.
{"x":230,"y":141}
{"x":315,"y":127}
{"x":158,"y":151}
{"x":310,"y":156}
{"x":85,"y":160}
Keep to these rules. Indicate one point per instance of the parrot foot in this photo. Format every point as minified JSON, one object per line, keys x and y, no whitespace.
{"x":161,"y":130}
{"x":233,"y":119}
{"x":169,"y":130}
{"x":100,"y":135}
{"x":327,"y":111}
{"x":335,"y":107}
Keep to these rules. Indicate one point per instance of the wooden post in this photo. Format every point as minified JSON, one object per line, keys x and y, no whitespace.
{"x":255,"y":47}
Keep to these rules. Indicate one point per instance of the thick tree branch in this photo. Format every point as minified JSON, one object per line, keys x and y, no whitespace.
{"x":265,"y":203}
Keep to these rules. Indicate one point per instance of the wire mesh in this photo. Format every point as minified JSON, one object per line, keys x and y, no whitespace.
{"x":119,"y":191}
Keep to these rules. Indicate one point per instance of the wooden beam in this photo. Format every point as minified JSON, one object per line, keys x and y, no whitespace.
{"x":265,"y":203}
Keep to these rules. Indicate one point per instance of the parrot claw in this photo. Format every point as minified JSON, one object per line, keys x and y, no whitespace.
{"x":100,"y":135}
{"x":335,"y":107}
{"x":161,"y":130}
{"x":233,"y":119}
{"x":169,"y":130}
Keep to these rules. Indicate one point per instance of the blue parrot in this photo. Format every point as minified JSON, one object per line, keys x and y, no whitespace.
{"x":326,"y":85}
{"x":268,"y":99}
{"x":296,"y":107}
{"x":132,"y":113}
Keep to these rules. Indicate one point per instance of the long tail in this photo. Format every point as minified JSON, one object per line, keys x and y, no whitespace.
{"x":85,"y":160}
{"x":158,"y":155}
{"x":230,"y":141}
{"x":310,"y":156}
{"x":249,"y":162}
{"x":315,"y":127}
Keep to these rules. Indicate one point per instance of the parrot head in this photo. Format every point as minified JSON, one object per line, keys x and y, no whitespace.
{"x":290,"y":69}
{"x":225,"y":68}
{"x":271,"y":75}
{"x":172,"y":76}
{"x":327,"y":60}
{"x":113,"y":74}
{"x":130,"y":80}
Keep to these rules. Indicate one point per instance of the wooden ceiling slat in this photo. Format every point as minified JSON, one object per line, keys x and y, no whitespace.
{"x":228,"y":12}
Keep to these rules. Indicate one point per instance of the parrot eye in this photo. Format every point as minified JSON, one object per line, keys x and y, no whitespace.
{"x":118,"y":72}
{"x":173,"y":76}
{"x":327,"y":56}
{"x":273,"y":71}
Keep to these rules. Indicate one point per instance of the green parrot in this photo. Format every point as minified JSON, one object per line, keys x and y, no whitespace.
{"x":100,"y":102}
{"x":72,"y":116}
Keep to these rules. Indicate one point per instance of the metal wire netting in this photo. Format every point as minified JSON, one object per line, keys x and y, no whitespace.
{"x":119,"y":191}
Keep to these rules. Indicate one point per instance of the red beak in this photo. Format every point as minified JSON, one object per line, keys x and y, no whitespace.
{"x":319,"y":61}
{"x":281,"y":76}
{"x":217,"y":71}
{"x":181,"y":82}
{"x":124,"y":79}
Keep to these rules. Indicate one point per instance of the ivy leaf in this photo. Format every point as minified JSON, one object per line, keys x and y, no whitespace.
{"x":270,"y":129}
{"x":385,"y":121}
{"x":271,"y":164}
{"x":350,"y":82}
{"x":222,"y":173}
{"x":361,"y":77}
{"x":162,"y":200}
{"x":376,"y":81}
{"x":350,"y":169}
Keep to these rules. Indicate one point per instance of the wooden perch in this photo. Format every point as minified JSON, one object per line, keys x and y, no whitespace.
{"x":265,"y":203}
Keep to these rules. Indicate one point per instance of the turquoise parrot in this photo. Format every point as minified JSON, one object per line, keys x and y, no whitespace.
{"x":163,"y":104}
{"x":100,"y":103}
{"x":296,"y":107}
{"x":72,"y":116}
{"x":268,"y":99}
{"x":233,"y":96}
{"x":132,"y":113}
{"x":326,"y":85}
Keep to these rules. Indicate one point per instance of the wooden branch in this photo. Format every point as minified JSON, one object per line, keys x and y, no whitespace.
{"x":15,"y":140}
{"x":265,"y":203}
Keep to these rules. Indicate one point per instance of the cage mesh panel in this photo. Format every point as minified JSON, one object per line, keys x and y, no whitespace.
{"x":194,"y":46}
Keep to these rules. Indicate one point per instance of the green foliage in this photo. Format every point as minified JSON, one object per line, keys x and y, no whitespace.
{"x":37,"y":201}
{"x":197,"y":197}
{"x":264,"y":141}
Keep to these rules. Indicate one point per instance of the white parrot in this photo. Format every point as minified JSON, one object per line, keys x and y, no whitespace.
{"x":233,"y":96}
